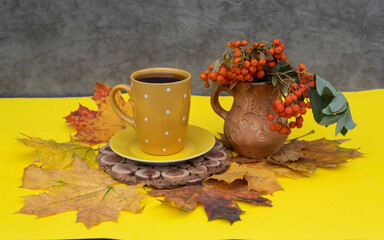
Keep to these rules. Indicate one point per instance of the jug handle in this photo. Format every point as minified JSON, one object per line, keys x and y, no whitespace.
{"x":116,"y":107}
{"x":215,"y":100}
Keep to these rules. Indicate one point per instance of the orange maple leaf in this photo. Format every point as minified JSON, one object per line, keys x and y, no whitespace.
{"x":99,"y":126}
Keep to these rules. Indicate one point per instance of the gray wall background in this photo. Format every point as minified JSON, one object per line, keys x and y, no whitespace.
{"x":60,"y":48}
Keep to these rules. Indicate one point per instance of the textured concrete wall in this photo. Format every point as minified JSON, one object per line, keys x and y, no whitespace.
{"x":59,"y":48}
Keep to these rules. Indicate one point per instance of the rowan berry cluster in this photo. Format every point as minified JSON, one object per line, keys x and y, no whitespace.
{"x":266,"y":62}
{"x":242,"y":62}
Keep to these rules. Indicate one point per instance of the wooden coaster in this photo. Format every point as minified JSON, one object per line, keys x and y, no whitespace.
{"x":193,"y":171}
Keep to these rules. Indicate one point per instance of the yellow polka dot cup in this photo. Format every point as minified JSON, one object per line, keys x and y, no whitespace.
{"x":160,"y":100}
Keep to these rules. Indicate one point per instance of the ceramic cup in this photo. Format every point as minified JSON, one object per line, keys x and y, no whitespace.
{"x":160,"y":100}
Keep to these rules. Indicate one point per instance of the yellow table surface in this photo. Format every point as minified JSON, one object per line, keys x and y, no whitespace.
{"x":342,"y":203}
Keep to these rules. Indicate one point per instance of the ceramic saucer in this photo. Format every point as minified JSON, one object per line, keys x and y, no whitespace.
{"x":198,"y":141}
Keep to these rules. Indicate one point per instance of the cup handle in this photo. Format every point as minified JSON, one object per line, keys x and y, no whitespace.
{"x":219,"y":110}
{"x":116,"y":107}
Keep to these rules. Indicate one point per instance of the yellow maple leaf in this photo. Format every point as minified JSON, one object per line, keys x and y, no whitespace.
{"x":93,"y":194}
{"x":60,"y":155}
{"x":261,"y":176}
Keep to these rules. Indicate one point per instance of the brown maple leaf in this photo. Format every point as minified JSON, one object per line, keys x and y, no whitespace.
{"x":99,"y":126}
{"x":318,"y":153}
{"x":93,"y":194}
{"x":260,"y":176}
{"x":59,"y":155}
{"x":218,"y":198}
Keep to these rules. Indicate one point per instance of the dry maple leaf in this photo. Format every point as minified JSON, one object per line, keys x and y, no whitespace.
{"x":93,"y":194}
{"x":318,"y":153}
{"x":216,"y":197}
{"x":99,"y":126}
{"x":260,"y":176}
{"x":59,"y":155}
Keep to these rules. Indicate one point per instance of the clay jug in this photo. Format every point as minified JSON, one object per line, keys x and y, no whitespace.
{"x":246,"y":126}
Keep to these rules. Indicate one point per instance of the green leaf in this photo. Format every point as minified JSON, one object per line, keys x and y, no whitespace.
{"x":216,"y":65}
{"x":349,"y":124}
{"x":328,"y":120}
{"x":338,"y":103}
{"x":269,"y":55}
{"x":318,"y":103}
{"x":328,"y":110}
{"x":274,"y":80}
{"x":344,"y":131}
{"x":340,"y":124}
{"x":324,"y":87}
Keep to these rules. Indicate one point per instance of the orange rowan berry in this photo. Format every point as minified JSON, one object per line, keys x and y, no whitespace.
{"x":283,"y":130}
{"x":299,"y":120}
{"x":254,"y":62}
{"x":280,"y":107}
{"x":260,"y":74}
{"x":272,"y":51}
{"x":220,"y":79}
{"x":278,"y":126}
{"x":244,"y":43}
{"x":252,"y":69}
{"x":223,"y":72}
{"x":247,"y":64}
{"x":272,"y":127}
{"x":277,"y":102}
{"x":237,"y":60}
{"x":240,"y":77}
{"x":276,"y":42}
{"x":292,"y":124}
{"x":288,"y":62}
{"x":308,"y":105}
{"x":288,"y":100}
{"x":244,"y":71}
{"x":206,"y":85}
{"x":282,"y":46}
{"x":278,"y":50}
{"x":204,"y":77}
{"x":237,"y":53}
{"x":229,"y":44}
{"x":288,"y":110}
{"x":213,"y":76}
{"x":272,"y":64}
{"x":283,"y":57}
{"x":262,"y":62}
{"x":302,"y":66}
{"x":302,"y":110}
{"x":237,"y":44}
{"x":295,"y":108}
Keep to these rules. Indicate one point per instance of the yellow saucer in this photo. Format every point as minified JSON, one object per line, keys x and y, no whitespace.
{"x":198,"y":141}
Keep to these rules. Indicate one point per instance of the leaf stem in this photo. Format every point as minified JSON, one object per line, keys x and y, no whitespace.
{"x":310,"y":132}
